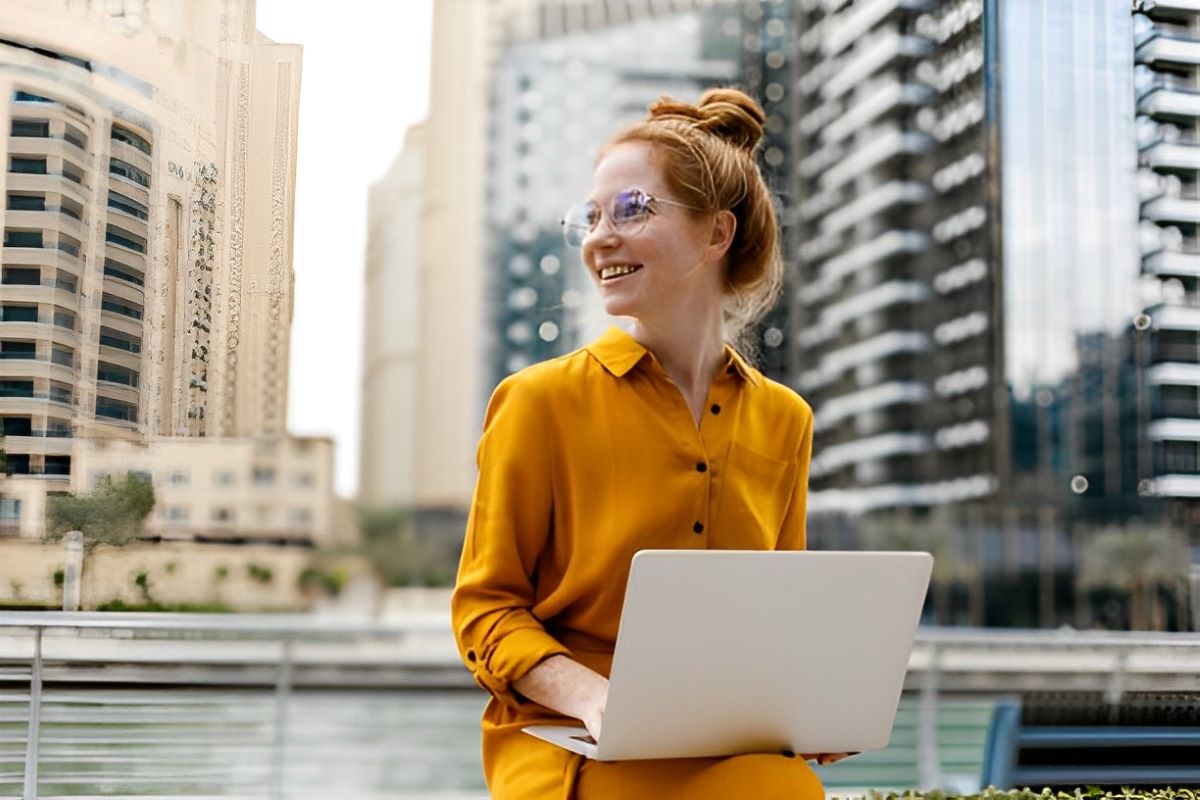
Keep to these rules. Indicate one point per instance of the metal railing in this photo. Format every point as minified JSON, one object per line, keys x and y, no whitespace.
{"x":270,"y":666}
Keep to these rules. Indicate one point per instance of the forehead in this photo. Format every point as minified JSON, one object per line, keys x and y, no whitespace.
{"x":629,"y":164}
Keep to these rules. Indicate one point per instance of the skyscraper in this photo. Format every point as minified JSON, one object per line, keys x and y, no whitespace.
{"x":149,"y":173}
{"x":975,"y":325}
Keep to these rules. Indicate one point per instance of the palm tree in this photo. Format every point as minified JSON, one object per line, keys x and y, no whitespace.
{"x":1137,"y":559}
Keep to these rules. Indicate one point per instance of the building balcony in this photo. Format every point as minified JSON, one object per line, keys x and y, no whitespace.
{"x":869,"y":498}
{"x":41,"y":292}
{"x":125,"y":255}
{"x":1176,"y":486}
{"x":32,"y":402}
{"x":118,"y":391}
{"x":130,"y":154}
{"x":892,"y":95}
{"x":876,"y":201}
{"x":40,"y":257}
{"x":886,"y":345}
{"x":1168,"y":9}
{"x":872,"y":55}
{"x":49,"y":184}
{"x":887,"y":245}
{"x":122,"y":323}
{"x":1171,"y":156}
{"x":887,"y":445}
{"x":1172,"y":209}
{"x":849,"y":26}
{"x":38,"y":368}
{"x":836,"y":409}
{"x":121,"y":357}
{"x":1161,"y":47}
{"x":122,"y":185}
{"x":1164,"y":262}
{"x":125,"y":290}
{"x":38,"y":445}
{"x":871,"y":301}
{"x":1169,"y":104}
{"x":876,"y":151}
{"x":1174,"y":374}
{"x":42,"y":330}
{"x":1174,"y":318}
{"x":55,"y":147}
{"x":1174,"y":430}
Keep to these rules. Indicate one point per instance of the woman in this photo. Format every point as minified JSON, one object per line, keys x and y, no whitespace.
{"x":659,"y":437}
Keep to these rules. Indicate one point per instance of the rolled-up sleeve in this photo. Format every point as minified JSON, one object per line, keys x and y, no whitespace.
{"x":793,"y":532}
{"x":498,"y":636}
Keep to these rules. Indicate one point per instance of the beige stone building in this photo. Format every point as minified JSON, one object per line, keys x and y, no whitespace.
{"x":223,"y":490}
{"x":148,"y":178}
{"x":392,"y":319}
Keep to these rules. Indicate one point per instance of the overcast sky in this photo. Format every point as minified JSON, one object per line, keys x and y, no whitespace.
{"x":365,"y":79}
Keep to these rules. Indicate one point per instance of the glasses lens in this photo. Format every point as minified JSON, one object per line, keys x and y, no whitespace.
{"x":630,"y":209}
{"x":578,"y":222}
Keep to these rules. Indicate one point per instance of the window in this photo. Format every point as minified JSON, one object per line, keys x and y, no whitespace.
{"x":63,"y":356}
{"x":19,"y":314}
{"x":264,"y":476}
{"x":64,"y":319}
{"x":126,"y":170}
{"x":18,"y":426}
{"x":29,"y":97}
{"x":68,"y":245}
{"x":16,"y":276}
{"x":115,"y":409}
{"x":130,"y":138}
{"x":10,"y":510}
{"x":128,"y":205}
{"x":27,"y":166}
{"x":36,"y":128}
{"x":65,"y":281}
{"x":302,"y":479}
{"x":222,"y":515}
{"x":178,"y":477}
{"x":22,"y":350}
{"x":26,"y":202}
{"x":116,"y":374}
{"x":115,"y":269}
{"x":56,"y":465}
{"x":72,"y":172}
{"x":70,"y":208}
{"x":125,"y":239}
{"x":60,"y":394}
{"x":75,"y":137}
{"x":175,"y":513}
{"x":121,"y":341}
{"x":223,"y":477}
{"x":301,"y":517}
{"x":16,"y":389}
{"x":114,"y":304}
{"x":22,"y":238}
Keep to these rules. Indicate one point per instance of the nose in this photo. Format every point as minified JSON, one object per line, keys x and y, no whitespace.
{"x":603,"y":235}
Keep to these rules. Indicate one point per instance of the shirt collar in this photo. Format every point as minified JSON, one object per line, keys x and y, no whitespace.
{"x":619,"y":352}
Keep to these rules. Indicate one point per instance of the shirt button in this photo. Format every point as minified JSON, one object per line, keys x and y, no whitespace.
{"x":471,"y":656}
{"x":716,"y":409}
{"x":731,"y":370}
{"x":702,"y":467}
{"x":698,"y":527}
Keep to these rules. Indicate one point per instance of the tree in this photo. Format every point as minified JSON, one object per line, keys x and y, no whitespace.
{"x":112,"y":514}
{"x":1137,"y":559}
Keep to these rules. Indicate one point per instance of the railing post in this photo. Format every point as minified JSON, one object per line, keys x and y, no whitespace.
{"x":928,"y":768}
{"x":35,"y":719}
{"x":283,"y":691}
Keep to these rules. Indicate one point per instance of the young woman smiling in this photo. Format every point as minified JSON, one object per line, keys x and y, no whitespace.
{"x":659,"y":436}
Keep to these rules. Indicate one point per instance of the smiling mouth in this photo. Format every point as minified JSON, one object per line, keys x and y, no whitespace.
{"x":615,"y":272}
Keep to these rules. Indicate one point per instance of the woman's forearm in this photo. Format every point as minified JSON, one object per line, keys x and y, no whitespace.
{"x":568,"y":687}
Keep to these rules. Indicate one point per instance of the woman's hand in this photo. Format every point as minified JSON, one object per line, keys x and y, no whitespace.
{"x":826,"y":758}
{"x":566,"y":686}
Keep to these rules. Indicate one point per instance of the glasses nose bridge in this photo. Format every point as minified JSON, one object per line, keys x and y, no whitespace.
{"x":604,"y":227}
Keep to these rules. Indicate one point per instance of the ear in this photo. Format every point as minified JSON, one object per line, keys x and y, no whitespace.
{"x":724,"y":227}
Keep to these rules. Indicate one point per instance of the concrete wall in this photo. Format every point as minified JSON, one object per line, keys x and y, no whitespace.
{"x":178,"y":573}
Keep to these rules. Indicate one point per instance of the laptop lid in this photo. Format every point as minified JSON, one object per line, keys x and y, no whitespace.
{"x":722,"y":652}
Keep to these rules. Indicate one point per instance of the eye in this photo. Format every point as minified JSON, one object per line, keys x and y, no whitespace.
{"x":630,"y":205}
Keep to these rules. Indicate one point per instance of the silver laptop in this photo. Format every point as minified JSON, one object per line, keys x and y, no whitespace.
{"x":723,"y":652}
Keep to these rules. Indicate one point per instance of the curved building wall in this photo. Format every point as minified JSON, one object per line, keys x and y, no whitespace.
{"x":148,"y":181}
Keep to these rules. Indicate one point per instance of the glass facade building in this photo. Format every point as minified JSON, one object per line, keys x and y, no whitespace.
{"x":995,"y":312}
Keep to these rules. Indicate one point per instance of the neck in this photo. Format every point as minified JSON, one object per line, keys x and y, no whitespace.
{"x":691,"y":350}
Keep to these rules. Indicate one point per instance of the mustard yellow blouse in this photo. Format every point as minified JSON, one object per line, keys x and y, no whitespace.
{"x":584,"y":460}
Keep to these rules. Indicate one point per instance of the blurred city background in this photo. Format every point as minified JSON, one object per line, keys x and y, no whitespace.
{"x":990,"y":212}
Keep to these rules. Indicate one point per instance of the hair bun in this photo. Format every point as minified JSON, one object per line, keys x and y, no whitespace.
{"x":728,"y":114}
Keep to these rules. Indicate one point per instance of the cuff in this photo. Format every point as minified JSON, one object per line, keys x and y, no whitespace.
{"x":511,"y":658}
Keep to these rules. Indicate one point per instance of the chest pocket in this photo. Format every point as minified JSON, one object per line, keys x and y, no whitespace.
{"x":755,"y":493}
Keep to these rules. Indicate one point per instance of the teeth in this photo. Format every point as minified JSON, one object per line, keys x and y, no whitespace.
{"x":613,"y":272}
